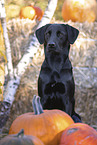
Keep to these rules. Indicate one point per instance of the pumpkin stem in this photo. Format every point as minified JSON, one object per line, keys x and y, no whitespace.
{"x":40,"y":108}
{"x":21,"y":133}
{"x":34,"y":104}
{"x":37,"y":107}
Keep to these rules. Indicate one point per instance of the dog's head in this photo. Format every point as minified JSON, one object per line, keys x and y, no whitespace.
{"x":56,"y":37}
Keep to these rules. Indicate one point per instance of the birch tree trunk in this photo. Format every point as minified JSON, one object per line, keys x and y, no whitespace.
{"x":14,"y":81}
{"x":6,"y":39}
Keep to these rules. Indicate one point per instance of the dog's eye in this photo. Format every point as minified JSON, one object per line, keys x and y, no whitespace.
{"x":48,"y":34}
{"x":59,"y":34}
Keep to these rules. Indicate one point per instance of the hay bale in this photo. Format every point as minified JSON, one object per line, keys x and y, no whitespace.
{"x":83,"y":55}
{"x":84,"y":51}
{"x":12,"y":11}
{"x":19,"y":31}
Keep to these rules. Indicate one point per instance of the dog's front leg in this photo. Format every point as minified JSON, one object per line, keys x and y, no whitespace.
{"x":44,"y":101}
{"x":67,"y":105}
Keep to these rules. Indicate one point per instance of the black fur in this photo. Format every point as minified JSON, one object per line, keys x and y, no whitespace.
{"x":56,"y":85}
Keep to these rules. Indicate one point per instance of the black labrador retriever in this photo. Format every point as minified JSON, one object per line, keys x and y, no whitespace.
{"x":56,"y":85}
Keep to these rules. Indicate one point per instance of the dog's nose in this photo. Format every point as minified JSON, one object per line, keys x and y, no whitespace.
{"x":51,"y":44}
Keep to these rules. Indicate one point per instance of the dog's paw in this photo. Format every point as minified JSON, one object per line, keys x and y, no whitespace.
{"x":76,"y":119}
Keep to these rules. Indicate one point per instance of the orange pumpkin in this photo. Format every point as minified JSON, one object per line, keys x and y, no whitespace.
{"x":27,"y":12}
{"x":20,"y":139}
{"x":39,"y":13}
{"x":79,"y":134}
{"x":79,"y":10}
{"x":47,"y":125}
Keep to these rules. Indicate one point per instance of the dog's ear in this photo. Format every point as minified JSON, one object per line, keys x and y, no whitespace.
{"x":40,"y":33}
{"x":72,"y":33}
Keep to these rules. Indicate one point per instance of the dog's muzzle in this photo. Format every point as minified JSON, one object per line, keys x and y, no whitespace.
{"x":51,"y":47}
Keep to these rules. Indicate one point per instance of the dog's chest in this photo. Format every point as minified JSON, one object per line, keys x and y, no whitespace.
{"x":55,"y":62}
{"x":56,"y":68}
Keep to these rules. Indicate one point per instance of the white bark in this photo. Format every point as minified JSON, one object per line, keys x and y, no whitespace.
{"x":6,"y":39}
{"x":10,"y":90}
{"x":2,"y":9}
{"x":49,"y":12}
{"x":32,"y":49}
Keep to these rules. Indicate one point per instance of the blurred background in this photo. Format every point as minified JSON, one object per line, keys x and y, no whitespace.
{"x":13,"y":7}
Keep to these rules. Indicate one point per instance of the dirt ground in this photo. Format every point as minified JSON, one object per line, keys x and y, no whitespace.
{"x":85,"y":96}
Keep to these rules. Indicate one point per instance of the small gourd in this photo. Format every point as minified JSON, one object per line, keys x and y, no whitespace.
{"x":38,"y":12}
{"x":27,"y":12}
{"x":20,"y":139}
